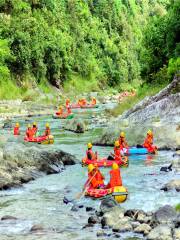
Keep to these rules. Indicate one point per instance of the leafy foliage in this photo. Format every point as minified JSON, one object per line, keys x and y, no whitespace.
{"x":102,"y":41}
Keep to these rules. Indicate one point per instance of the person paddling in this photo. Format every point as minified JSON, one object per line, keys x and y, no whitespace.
{"x":47,"y":130}
{"x":115,"y":177}
{"x":29,"y":132}
{"x":95,"y":178}
{"x":34,"y":129}
{"x":90,"y":154}
{"x":60,"y":112}
{"x":93,"y":101}
{"x":16,"y":129}
{"x":148,"y":142}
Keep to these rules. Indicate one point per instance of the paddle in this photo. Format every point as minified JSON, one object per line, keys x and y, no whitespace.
{"x":81,"y":194}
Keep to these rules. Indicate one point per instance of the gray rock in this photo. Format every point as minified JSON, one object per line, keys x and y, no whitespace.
{"x":161,"y":232}
{"x":165,"y":214}
{"x":143,"y":228}
{"x":36,"y":228}
{"x":107,"y":204}
{"x":176,"y":233}
{"x":173,"y":184}
{"x":8,"y":217}
{"x":115,"y":218}
{"x":122,"y":227}
{"x":135,"y":224}
{"x":93,"y":219}
{"x":76,"y":125}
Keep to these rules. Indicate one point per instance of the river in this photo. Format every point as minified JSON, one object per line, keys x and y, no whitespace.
{"x":41,"y":201}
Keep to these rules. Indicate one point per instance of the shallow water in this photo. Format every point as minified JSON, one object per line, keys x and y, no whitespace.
{"x":41,"y":201}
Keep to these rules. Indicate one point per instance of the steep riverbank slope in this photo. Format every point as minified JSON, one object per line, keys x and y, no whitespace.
{"x":161,"y":113}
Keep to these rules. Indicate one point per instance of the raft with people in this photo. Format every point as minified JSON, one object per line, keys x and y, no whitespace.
{"x":104,"y":162}
{"x":95,"y":187}
{"x":41,"y":139}
{"x":82,"y":103}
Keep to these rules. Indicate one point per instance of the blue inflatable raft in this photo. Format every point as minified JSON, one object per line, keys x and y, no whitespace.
{"x":135,"y":150}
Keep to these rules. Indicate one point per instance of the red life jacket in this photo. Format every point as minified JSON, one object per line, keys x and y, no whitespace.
{"x":29,"y":133}
{"x":16,"y":131}
{"x":47,"y":132}
{"x":117,"y":153}
{"x":90,"y":154}
{"x":123,"y":143}
{"x":115,"y":178}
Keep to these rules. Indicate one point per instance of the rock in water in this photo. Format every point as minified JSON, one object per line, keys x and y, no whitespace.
{"x":165,"y":214}
{"x":173,"y":184}
{"x":107,"y":204}
{"x":161,"y":232}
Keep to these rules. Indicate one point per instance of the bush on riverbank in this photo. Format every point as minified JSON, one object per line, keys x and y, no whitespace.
{"x":129,"y":102}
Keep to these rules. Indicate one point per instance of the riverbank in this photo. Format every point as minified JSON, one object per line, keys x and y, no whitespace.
{"x":161,"y":113}
{"x":22,"y":162}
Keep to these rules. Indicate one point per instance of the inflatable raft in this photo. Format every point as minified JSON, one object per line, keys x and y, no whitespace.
{"x":135,"y":150}
{"x":41,"y":140}
{"x":74,"y":106}
{"x":119,"y":193}
{"x":64,"y":116}
{"x":104,"y":162}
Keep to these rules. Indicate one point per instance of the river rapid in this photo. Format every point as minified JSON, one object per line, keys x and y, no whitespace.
{"x":41,"y":201}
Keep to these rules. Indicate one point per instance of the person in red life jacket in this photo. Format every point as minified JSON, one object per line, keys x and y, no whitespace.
{"x":93,"y":101}
{"x":67,"y":102}
{"x":34,"y":128}
{"x":68,"y":109}
{"x":29,"y":132}
{"x":123,"y":143}
{"x":16,"y":129}
{"x":60,"y":112}
{"x":83,"y":102}
{"x":47,"y":130}
{"x":90,"y":154}
{"x":115,"y":177}
{"x":148,"y":142}
{"x":95,"y":178}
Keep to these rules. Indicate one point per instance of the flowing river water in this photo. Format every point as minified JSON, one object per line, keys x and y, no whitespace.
{"x":41,"y":201}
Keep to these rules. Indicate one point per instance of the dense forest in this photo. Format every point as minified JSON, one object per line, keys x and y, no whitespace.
{"x":108,"y":42}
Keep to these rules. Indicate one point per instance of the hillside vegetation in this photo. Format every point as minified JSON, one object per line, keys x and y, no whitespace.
{"x":88,"y":44}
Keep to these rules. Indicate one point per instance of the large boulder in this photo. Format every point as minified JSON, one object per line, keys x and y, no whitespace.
{"x":165,"y":214}
{"x":161,"y":232}
{"x":173,"y":184}
{"x":21,"y":163}
{"x":76,"y":125}
{"x":107,"y":204}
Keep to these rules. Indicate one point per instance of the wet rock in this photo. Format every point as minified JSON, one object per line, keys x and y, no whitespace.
{"x":165,"y":214}
{"x":89,"y":209}
{"x":101,"y":233}
{"x":7,"y":124}
{"x":143,"y":228}
{"x":141,"y":216}
{"x":99,"y":213}
{"x":131,"y":213}
{"x":177,"y":221}
{"x":76,"y":125}
{"x":93,"y":220}
{"x":36,"y":228}
{"x":8,"y":217}
{"x":166,"y":169}
{"x":122,"y":226}
{"x":75,"y":208}
{"x":107,"y":204}
{"x":114,"y":217}
{"x":173,"y":184}
{"x":135,"y":224}
{"x":176,"y":233}
{"x":161,"y":232}
{"x":176,"y":163}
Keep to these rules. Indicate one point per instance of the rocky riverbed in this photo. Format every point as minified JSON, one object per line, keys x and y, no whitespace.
{"x":22,"y":162}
